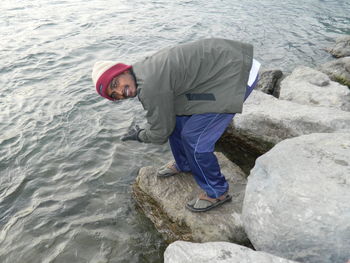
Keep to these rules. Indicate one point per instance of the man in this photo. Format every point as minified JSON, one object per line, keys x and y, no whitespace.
{"x":191,"y":93}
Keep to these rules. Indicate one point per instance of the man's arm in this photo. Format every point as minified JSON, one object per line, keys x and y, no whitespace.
{"x":160,"y":120}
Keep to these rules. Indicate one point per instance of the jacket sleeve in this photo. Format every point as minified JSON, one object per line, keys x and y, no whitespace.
{"x":160,"y":118}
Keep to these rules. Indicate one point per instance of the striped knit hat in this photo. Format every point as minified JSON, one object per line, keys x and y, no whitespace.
{"x":102,"y":74}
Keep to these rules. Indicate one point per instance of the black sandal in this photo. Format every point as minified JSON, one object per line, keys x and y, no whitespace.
{"x":209,"y":204}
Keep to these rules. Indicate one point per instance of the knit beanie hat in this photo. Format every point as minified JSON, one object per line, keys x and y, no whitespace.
{"x":102,"y":74}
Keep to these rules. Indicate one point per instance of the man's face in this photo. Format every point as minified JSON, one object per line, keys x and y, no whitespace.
{"x":122,"y":87}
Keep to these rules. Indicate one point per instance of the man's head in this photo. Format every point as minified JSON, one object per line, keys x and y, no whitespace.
{"x":113,"y":81}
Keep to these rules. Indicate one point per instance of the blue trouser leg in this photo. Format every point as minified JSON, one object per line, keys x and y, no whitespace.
{"x":192,"y":143}
{"x":199,"y":136}
{"x":177,"y":146}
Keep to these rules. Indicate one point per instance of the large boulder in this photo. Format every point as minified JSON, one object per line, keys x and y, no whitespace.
{"x":309,"y":86}
{"x":265,"y":121}
{"x":341,"y":47}
{"x":186,"y":252}
{"x":163,"y":200}
{"x":338,"y":70}
{"x":297,"y":199}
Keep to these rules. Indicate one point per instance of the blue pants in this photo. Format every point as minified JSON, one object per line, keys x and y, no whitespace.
{"x":192,"y":143}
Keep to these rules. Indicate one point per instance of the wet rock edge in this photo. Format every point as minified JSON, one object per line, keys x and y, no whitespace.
{"x":169,"y":230}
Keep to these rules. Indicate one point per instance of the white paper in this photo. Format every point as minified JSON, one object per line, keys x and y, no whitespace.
{"x":253,"y":72}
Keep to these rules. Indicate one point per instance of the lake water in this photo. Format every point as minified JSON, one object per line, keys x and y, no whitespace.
{"x":65,"y":176}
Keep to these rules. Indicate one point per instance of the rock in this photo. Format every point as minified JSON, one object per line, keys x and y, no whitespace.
{"x":341,"y":47}
{"x":338,"y":70}
{"x":297,"y":204}
{"x":309,"y":86}
{"x":269,"y":82}
{"x":186,"y":252}
{"x":265,"y":121}
{"x":163,"y":200}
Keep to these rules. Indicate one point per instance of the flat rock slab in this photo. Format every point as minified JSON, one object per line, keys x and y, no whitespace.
{"x":297,"y":204}
{"x":163,"y":200}
{"x":265,"y":121}
{"x":312,"y":87}
{"x":223,"y":252}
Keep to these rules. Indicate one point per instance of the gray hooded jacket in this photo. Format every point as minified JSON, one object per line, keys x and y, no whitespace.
{"x":206,"y":76}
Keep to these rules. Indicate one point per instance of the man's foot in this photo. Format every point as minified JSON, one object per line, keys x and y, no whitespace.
{"x":168,"y":169}
{"x":205,"y":203}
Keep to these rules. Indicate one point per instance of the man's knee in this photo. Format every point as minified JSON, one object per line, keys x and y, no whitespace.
{"x":188,"y":139}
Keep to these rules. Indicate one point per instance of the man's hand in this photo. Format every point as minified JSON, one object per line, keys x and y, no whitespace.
{"x":132,"y":134}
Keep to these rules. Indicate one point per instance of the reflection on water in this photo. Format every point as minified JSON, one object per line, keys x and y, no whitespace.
{"x":65,"y":176}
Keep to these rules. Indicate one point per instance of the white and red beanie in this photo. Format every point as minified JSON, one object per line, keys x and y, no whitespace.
{"x":102,"y":74}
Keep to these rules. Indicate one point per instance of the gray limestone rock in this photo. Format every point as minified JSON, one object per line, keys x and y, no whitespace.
{"x":269,"y":82}
{"x":341,"y":47}
{"x":163,"y":200}
{"x":297,"y":199}
{"x":338,"y":70}
{"x":223,"y":252}
{"x":309,"y":86}
{"x":265,"y":121}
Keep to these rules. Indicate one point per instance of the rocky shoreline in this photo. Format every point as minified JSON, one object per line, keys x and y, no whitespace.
{"x":294,"y":205}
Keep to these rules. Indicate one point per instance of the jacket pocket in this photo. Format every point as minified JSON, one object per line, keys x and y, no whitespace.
{"x":200,"y":96}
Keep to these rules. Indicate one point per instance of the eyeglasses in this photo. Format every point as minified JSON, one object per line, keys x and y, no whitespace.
{"x":114,"y":83}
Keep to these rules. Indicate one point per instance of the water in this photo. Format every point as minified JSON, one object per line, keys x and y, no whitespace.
{"x":65,"y":177}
